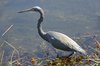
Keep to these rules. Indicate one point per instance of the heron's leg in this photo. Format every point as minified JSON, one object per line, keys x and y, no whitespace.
{"x":71,"y":54}
{"x":58,"y":55}
{"x":55,"y":50}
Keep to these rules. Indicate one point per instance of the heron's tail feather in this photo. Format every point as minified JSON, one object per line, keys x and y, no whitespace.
{"x":83,"y":52}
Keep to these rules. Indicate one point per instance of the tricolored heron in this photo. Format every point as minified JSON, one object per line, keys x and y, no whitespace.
{"x":57,"y":39}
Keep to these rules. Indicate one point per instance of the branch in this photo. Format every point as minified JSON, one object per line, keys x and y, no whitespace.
{"x":7,"y":30}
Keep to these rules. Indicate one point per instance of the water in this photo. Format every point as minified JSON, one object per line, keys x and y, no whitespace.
{"x":71,"y":17}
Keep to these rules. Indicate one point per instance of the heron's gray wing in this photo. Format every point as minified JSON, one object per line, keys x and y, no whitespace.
{"x":64,"y":39}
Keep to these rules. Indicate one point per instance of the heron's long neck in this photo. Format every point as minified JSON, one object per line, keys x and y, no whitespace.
{"x":39,"y":26}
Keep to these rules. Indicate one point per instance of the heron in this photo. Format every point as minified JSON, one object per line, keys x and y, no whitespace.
{"x":56,"y":39}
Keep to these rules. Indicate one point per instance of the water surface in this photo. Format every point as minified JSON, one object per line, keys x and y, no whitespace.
{"x":71,"y":17}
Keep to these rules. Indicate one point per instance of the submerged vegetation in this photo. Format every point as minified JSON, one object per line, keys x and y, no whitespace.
{"x":19,"y":57}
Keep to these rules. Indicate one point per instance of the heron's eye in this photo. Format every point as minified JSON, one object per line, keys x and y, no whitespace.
{"x":35,"y":9}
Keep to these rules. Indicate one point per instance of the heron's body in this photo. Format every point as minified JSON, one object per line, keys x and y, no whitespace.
{"x":57,"y":39}
{"x":62,"y":41}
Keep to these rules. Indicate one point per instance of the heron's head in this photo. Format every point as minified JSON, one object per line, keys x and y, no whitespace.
{"x":33,"y":9}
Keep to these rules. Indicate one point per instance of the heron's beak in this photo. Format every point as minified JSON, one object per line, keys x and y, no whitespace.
{"x":25,"y":11}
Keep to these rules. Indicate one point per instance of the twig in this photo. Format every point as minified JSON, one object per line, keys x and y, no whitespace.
{"x":94,"y":60}
{"x":92,"y":48}
{"x":7,"y":30}
{"x":12,"y":55}
{"x":1,"y":58}
{"x":1,"y":44}
{"x":12,"y":47}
